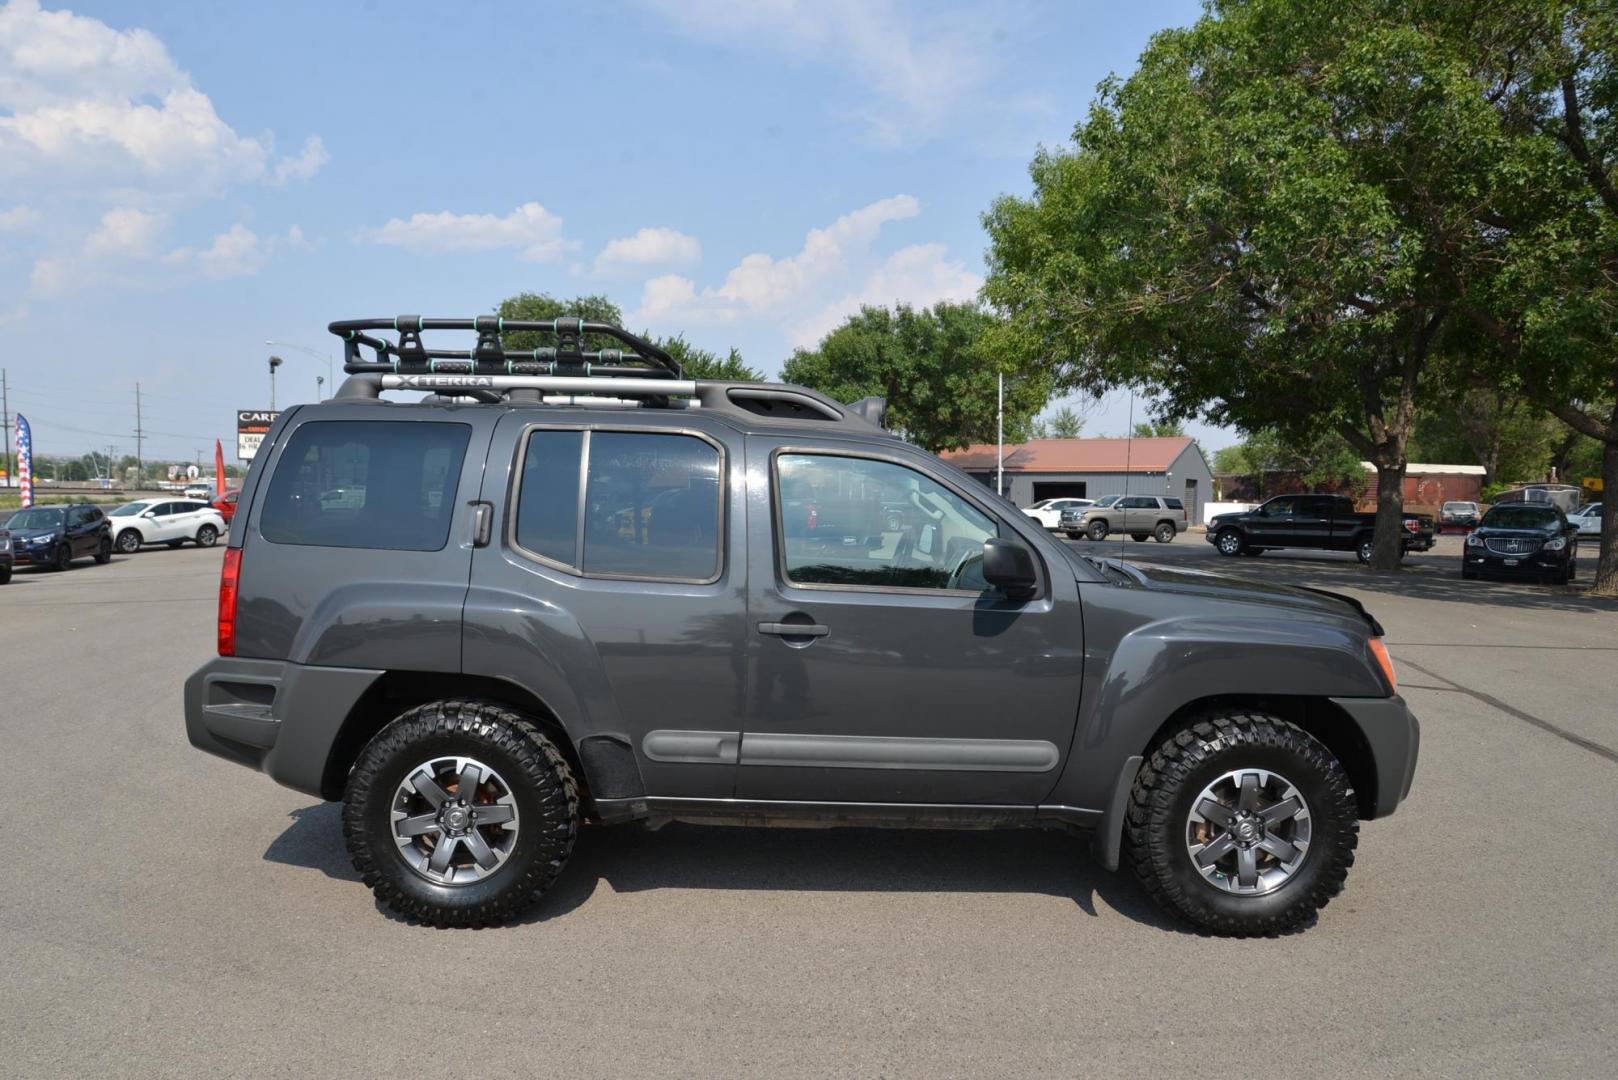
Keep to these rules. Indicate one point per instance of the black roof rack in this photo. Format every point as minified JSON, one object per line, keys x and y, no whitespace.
{"x":410,"y":356}
{"x":490,"y":372}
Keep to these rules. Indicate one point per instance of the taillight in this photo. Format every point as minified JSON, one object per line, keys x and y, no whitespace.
{"x":227,"y":601}
{"x":1412,"y":525}
{"x":1385,"y":662}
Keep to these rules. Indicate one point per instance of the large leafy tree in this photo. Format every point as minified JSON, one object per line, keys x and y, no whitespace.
{"x":542,"y":306}
{"x":1268,"y":224}
{"x":1549,"y":69}
{"x":933,"y":367}
{"x":702,"y":364}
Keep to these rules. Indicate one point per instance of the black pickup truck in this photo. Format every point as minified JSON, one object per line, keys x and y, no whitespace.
{"x":1329,"y":522}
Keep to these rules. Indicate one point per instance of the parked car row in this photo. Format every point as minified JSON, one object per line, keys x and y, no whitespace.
{"x":54,"y":537}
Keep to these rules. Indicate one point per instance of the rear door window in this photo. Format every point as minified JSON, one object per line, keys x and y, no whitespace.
{"x":651,"y":506}
{"x":386,"y":485}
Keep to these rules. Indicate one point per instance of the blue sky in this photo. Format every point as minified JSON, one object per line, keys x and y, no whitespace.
{"x":180,"y":182}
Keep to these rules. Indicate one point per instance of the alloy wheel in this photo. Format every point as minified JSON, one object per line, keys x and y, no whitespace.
{"x":454,"y":820}
{"x":1230,"y":543}
{"x":1248,"y":831}
{"x":129,"y":541}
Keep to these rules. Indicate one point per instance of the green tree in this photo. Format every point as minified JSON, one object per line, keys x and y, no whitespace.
{"x":703,"y":364}
{"x":1065,"y":424}
{"x":1268,"y":224}
{"x":1157,"y":429}
{"x":543,"y":306}
{"x":1549,"y":70}
{"x":934,"y":367}
{"x":1324,"y":462}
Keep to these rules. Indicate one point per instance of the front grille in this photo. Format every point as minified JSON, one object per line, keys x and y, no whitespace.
{"x":1512,"y":545}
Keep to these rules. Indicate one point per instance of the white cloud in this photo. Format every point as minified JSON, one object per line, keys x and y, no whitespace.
{"x":762,"y":285}
{"x":306,"y":164}
{"x":235,"y":252}
{"x":86,"y":105}
{"x":18,"y":217}
{"x":125,"y":233}
{"x":919,"y":275}
{"x":532,"y":229}
{"x":649,"y":247}
{"x":921,"y":67}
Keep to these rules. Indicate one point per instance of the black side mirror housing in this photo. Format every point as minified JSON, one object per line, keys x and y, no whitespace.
{"x":1009,"y":566}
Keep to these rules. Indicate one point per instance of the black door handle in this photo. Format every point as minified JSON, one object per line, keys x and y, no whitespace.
{"x":792,"y":629}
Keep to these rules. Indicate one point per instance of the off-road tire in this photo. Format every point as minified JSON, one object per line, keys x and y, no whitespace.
{"x":1098,"y":530}
{"x":207,"y":536}
{"x":129,"y":541}
{"x":1173,"y":777}
{"x":1139,"y":538}
{"x":1164,"y":533}
{"x":104,"y":551}
{"x":542,"y":784}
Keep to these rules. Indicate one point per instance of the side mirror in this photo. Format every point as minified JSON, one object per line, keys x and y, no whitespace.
{"x":1009,"y":566}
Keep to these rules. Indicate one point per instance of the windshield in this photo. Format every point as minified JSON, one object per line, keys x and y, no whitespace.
{"x":1520,"y":516}
{"x":131,"y":509}
{"x":1108,"y":500}
{"x":36,"y":518}
{"x":1452,"y":506}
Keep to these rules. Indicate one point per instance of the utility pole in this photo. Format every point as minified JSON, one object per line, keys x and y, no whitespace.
{"x":275,"y":362}
{"x":1000,"y":436}
{"x":140,"y":435}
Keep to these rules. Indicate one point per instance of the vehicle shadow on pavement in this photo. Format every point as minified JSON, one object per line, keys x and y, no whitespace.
{"x":630,"y":858}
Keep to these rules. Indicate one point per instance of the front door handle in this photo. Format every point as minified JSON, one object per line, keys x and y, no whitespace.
{"x":792,"y":629}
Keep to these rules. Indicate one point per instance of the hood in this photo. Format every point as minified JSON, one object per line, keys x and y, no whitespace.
{"x":1547,"y":533}
{"x":1201,"y":583}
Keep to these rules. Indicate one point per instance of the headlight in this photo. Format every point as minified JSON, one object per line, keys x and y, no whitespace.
{"x":1557,"y":544}
{"x":1473,"y":540}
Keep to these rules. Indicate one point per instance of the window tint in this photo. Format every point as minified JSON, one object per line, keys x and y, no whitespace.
{"x":79,"y":515}
{"x":1174,"y":504}
{"x":1285,"y":505}
{"x":366,"y":484}
{"x":162,"y":509}
{"x":651,"y":506}
{"x":837,"y":518}
{"x":548,"y":501}
{"x":1139,"y":502}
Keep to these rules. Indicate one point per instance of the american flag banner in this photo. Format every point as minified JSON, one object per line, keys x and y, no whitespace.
{"x":25,"y":460}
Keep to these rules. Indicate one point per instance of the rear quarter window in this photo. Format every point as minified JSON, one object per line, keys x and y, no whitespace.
{"x":386,"y":485}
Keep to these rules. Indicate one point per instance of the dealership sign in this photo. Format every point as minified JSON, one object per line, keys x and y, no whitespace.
{"x":251,"y":427}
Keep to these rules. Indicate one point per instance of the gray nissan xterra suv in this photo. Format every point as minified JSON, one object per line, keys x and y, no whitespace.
{"x":572,"y":585}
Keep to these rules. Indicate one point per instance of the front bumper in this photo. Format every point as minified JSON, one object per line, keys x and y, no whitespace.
{"x":1540,"y":564}
{"x":279,"y":718}
{"x":1394,"y":739}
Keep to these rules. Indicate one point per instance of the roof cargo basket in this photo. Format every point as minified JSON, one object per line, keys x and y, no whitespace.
{"x":487,"y":368}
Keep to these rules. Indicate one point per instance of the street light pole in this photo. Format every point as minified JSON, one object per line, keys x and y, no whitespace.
{"x":316,"y":353}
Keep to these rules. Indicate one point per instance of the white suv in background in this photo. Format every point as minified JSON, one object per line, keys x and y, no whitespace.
{"x":164,"y":521}
{"x":1048,"y":512}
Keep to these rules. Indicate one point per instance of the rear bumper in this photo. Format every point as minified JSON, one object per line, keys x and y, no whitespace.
{"x":278,"y":718}
{"x":1394,"y":738}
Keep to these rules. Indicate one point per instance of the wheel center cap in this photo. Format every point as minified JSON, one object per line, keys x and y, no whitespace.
{"x":1246,"y":831}
{"x":457,"y":818}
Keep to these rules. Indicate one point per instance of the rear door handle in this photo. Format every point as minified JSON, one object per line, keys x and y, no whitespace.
{"x":482,"y":523}
{"x":792,"y":629}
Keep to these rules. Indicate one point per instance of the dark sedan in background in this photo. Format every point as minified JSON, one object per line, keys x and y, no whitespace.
{"x":1522,"y":540}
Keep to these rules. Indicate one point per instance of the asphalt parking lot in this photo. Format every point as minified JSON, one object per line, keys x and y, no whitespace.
{"x":167,"y":913}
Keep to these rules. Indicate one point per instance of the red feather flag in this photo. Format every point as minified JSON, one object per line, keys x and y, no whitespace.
{"x":218,"y":470}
